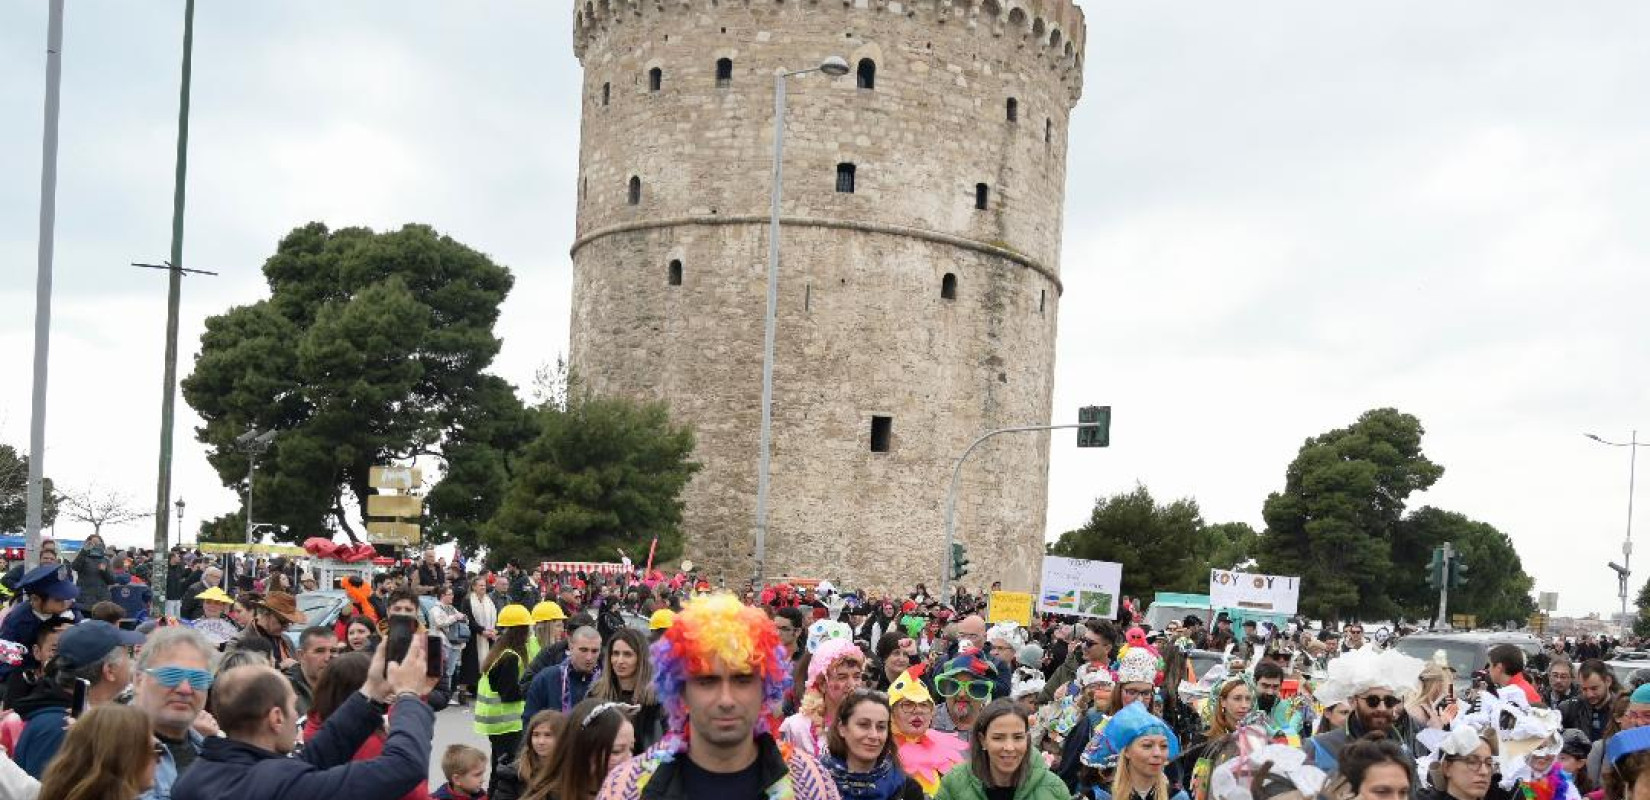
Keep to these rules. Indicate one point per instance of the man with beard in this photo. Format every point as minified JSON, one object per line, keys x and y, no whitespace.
{"x":1374,"y":683}
{"x":966,"y":682}
{"x":720,"y":671}
{"x":1561,"y":685}
{"x":1268,"y":683}
{"x":1591,"y":711}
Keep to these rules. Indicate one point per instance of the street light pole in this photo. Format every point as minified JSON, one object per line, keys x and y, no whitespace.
{"x":174,"y":288}
{"x":1626,"y":571}
{"x":36,"y":502}
{"x":834,"y":66}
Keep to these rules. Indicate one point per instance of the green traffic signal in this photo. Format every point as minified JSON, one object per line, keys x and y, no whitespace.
{"x":959,"y":561}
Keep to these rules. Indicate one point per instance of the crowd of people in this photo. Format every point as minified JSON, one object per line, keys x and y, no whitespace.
{"x":646,"y":685}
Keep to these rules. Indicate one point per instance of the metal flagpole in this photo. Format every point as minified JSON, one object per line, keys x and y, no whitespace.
{"x":43,"y":285}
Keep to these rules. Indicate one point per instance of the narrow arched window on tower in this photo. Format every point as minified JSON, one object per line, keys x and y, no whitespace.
{"x":675,"y":272}
{"x":1013,"y":110}
{"x":607,"y":93}
{"x":635,"y":190}
{"x":655,"y":79}
{"x":1042,"y":300}
{"x":1048,"y":130}
{"x":948,"y":286}
{"x":845,"y":178}
{"x":724,"y":73}
{"x":982,"y":196}
{"x":867,"y":74}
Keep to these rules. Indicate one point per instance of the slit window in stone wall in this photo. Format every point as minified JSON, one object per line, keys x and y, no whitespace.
{"x":982,"y":196}
{"x":948,"y":286}
{"x":867,"y":74}
{"x":1042,"y":300}
{"x":655,"y":79}
{"x":1048,"y":130}
{"x":635,"y":193}
{"x":724,"y":73}
{"x":607,"y":93}
{"x":882,"y":434}
{"x":845,"y":178}
{"x":1013,"y":110}
{"x":675,"y":272}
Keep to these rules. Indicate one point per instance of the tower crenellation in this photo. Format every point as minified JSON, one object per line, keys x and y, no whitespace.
{"x":922,"y":215}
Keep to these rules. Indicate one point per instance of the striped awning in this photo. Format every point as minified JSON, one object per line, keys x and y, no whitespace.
{"x":587,"y":567}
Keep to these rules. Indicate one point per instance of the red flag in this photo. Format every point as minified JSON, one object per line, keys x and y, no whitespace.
{"x":650,"y":549}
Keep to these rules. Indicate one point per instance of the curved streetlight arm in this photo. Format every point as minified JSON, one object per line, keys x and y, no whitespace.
{"x":1624,"y":570}
{"x":956,"y":476}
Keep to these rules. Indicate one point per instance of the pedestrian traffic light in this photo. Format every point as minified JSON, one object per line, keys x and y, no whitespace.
{"x":1097,"y":434}
{"x":1457,"y":573}
{"x":959,"y":561}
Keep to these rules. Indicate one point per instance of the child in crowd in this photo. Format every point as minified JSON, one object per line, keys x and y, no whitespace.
{"x":466,"y":771}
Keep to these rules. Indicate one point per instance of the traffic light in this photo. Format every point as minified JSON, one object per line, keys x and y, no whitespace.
{"x":959,"y":561}
{"x":1436,"y":570}
{"x":1099,"y":434}
{"x":1457,"y":573}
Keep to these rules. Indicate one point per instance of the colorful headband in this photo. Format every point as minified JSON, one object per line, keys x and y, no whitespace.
{"x":603,"y":708}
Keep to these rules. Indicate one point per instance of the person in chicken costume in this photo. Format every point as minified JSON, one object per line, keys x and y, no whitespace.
{"x":926,"y":754}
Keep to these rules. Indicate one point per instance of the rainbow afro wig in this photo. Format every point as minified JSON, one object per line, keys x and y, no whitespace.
{"x":716,"y":631}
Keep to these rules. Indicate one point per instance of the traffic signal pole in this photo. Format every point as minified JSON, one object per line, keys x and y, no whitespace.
{"x":1443,"y":586}
{"x":956,"y":477}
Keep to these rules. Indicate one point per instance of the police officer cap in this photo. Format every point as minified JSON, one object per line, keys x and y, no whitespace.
{"x":51,"y":581}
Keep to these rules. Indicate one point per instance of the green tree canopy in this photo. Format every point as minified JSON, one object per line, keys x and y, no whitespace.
{"x":1334,"y":521}
{"x":370,"y":350}
{"x":1497,"y":588}
{"x":603,"y":473}
{"x":1641,"y":623}
{"x":14,"y":492}
{"x":1162,"y":548}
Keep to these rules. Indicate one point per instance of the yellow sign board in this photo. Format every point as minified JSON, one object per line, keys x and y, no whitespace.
{"x":1010,"y":607}
{"x":395,"y":506}
{"x":405,"y":479}
{"x":1464,"y":621}
{"x":403,"y":533}
{"x":257,"y":549}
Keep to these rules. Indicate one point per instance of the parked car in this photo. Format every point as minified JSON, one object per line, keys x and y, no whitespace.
{"x":1465,"y":653}
{"x":324,"y":606}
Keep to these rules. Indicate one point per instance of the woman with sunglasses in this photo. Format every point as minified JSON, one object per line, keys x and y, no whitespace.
{"x":861,"y":754}
{"x":1002,"y":764}
{"x":1464,"y":768}
{"x":835,"y":669}
{"x":109,"y":754}
{"x":895,"y":652}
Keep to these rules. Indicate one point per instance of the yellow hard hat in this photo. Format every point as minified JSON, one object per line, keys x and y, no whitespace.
{"x":514,"y":615}
{"x":661,"y":620}
{"x":215,"y":595}
{"x":548,"y":611}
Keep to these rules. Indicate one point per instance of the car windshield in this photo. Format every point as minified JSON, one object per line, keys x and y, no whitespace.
{"x":1202,"y":662}
{"x":1463,"y":657}
{"x":316,"y":607}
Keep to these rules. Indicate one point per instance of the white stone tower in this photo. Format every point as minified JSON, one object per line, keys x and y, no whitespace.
{"x":920,"y":271}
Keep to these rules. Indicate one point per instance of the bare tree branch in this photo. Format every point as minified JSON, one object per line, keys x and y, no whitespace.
{"x":99,"y":507}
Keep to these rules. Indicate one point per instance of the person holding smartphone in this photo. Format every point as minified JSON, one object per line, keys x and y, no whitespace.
{"x":93,"y":666}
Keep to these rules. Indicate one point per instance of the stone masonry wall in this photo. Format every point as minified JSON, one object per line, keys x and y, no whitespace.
{"x":863,"y":329}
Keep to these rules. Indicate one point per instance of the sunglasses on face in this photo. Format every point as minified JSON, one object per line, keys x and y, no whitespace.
{"x":199,"y":679}
{"x":951,"y":687}
{"x":1376,"y":702}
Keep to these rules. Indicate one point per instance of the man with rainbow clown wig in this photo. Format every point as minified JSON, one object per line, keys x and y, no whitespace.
{"x":926,"y":754}
{"x":720,"y":673}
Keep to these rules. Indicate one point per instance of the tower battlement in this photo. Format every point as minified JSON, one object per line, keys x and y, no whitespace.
{"x":1054,"y":30}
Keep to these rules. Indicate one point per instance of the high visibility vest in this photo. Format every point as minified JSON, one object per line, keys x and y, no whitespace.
{"x":493,"y":715}
{"x":532,"y":648}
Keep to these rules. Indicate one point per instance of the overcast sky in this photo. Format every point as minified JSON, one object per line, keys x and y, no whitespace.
{"x":1279,"y":216}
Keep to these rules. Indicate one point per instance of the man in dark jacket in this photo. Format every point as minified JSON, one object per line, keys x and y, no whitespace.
{"x":93,"y":651}
{"x":255,"y":707}
{"x":210,"y":577}
{"x":1590,"y":712}
{"x":562,"y":687}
